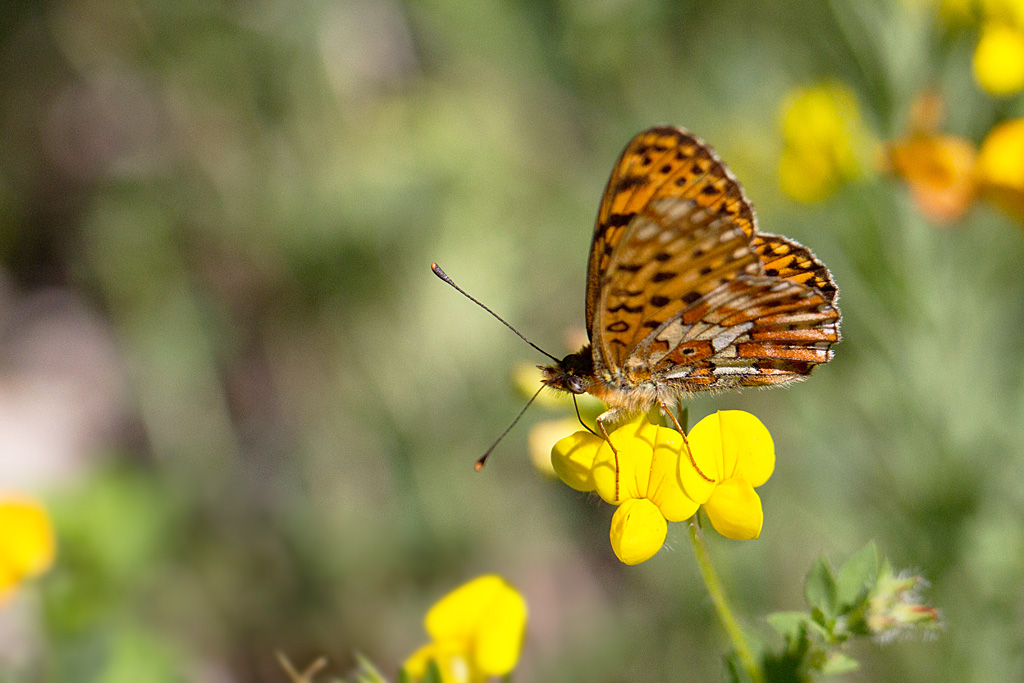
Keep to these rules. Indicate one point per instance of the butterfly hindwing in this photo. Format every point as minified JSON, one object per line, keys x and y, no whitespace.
{"x":792,"y":261}
{"x":751,"y":331}
{"x":674,"y":255}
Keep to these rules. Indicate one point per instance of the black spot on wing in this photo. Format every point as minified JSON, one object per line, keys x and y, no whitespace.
{"x":624,"y":307}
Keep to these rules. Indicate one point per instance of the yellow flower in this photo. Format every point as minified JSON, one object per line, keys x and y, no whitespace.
{"x":653,"y":479}
{"x":476,"y":633}
{"x":999,"y":59}
{"x":27,"y":545}
{"x":821,"y":131}
{"x":527,"y":380}
{"x":1008,"y":11}
{"x":745,"y":453}
{"x":1001,"y":166}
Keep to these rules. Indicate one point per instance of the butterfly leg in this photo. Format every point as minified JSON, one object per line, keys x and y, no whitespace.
{"x":610,"y":414}
{"x":679,"y":428}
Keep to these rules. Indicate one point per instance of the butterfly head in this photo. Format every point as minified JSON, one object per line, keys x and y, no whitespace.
{"x":572,"y":374}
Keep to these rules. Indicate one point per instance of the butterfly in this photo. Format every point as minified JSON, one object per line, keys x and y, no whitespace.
{"x":684,"y":294}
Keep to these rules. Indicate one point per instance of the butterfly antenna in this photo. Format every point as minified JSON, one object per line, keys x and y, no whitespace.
{"x":479,"y":464}
{"x":444,"y":276}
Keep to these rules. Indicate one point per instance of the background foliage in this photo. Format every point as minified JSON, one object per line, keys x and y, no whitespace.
{"x":253,"y":410}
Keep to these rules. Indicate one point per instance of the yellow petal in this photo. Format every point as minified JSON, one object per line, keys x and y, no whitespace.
{"x":572,"y":459}
{"x":706,"y":445}
{"x":735,"y":510}
{"x":664,"y":488}
{"x":417,"y":663}
{"x":452,"y":663}
{"x":821,"y":129}
{"x":706,"y":455}
{"x":999,"y":59}
{"x":486,"y":619}
{"x":807,"y":176}
{"x":501,"y":635}
{"x":542,"y":439}
{"x":1001,"y":166}
{"x":457,"y":615}
{"x":638,"y":530}
{"x":747,"y":446}
{"x":27,"y":543}
{"x":1001,"y":160}
{"x":634,"y":442}
{"x":819,"y":115}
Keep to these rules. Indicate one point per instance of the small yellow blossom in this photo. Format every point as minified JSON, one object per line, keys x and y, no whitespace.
{"x":999,"y":59}
{"x":653,"y":479}
{"x":527,"y":380}
{"x":1006,"y":11}
{"x":476,"y":633}
{"x":822,"y":133}
{"x":1001,"y":167}
{"x":27,"y":544}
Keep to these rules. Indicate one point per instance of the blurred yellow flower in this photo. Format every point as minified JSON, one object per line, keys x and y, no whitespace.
{"x":999,"y":59}
{"x":527,"y":380}
{"x":27,"y":543}
{"x":476,"y":633}
{"x":822,"y":133}
{"x":655,"y":481}
{"x":1000,"y":168}
{"x":1008,"y":11}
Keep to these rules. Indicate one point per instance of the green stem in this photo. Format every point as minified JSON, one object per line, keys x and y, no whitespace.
{"x":714,"y":586}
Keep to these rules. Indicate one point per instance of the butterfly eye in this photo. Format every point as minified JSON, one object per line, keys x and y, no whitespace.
{"x":576,"y":385}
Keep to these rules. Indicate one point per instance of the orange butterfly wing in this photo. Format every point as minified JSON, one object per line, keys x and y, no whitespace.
{"x":660,"y":162}
{"x":683,"y":292}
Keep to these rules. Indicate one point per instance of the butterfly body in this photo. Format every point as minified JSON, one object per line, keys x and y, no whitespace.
{"x":684,"y":294}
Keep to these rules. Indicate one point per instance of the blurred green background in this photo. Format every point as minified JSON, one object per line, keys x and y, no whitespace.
{"x":253,"y":411}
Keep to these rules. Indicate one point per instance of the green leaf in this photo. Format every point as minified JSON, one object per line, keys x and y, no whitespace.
{"x":790,"y":665}
{"x":820,"y":589}
{"x":789,"y":624}
{"x":403,"y":676}
{"x":838,"y":663}
{"x":857,"y":576}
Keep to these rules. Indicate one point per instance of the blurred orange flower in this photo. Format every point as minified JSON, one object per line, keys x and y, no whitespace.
{"x":940,"y":172}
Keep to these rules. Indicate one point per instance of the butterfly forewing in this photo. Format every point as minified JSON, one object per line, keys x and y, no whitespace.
{"x":667,"y":264}
{"x":661,"y":162}
{"x":684,"y":293}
